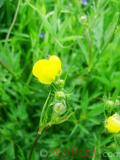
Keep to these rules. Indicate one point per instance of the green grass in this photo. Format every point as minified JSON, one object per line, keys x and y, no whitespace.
{"x":90,"y":54}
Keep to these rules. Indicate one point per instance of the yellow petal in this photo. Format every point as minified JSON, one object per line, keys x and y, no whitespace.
{"x":55,"y":64}
{"x":41,"y":70}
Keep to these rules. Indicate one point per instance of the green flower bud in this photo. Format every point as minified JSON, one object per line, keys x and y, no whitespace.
{"x":83,"y":19}
{"x":60,"y":83}
{"x":59,"y":95}
{"x":59,"y":108}
{"x":109,"y":103}
{"x":112,"y":103}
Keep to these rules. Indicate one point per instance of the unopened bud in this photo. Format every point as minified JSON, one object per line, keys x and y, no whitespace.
{"x":109,"y":102}
{"x":59,"y":108}
{"x":83,"y":19}
{"x":60,"y":95}
{"x":112,"y":103}
{"x":60,"y":83}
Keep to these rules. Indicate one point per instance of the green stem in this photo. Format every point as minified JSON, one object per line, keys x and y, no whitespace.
{"x":90,"y":56}
{"x":13,"y":22}
{"x":33,"y":146}
{"x":43,"y":110}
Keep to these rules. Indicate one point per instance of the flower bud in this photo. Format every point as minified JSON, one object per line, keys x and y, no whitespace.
{"x":83,"y":19}
{"x":59,"y":108}
{"x":112,"y":103}
{"x":60,"y":83}
{"x":59,"y":95}
{"x":109,"y":103}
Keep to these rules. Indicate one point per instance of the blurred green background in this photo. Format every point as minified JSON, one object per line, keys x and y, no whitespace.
{"x":86,"y":36}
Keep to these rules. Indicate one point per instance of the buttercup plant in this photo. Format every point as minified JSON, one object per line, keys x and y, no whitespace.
{"x":48,"y":72}
{"x":37,"y":102}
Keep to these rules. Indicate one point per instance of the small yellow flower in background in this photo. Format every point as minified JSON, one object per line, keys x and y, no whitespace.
{"x":46,"y":70}
{"x":112,"y":123}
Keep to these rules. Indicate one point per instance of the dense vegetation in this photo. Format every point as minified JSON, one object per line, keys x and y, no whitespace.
{"x":86,"y":37}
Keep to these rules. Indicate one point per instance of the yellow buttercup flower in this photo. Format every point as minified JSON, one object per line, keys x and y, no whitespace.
{"x":112,"y":123}
{"x":46,"y":70}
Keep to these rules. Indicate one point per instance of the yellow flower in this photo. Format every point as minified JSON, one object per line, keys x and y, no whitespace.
{"x":112,"y":123}
{"x":46,"y":70}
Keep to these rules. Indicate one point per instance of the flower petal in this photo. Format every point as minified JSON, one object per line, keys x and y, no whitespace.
{"x":55,"y":63}
{"x":46,"y":70}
